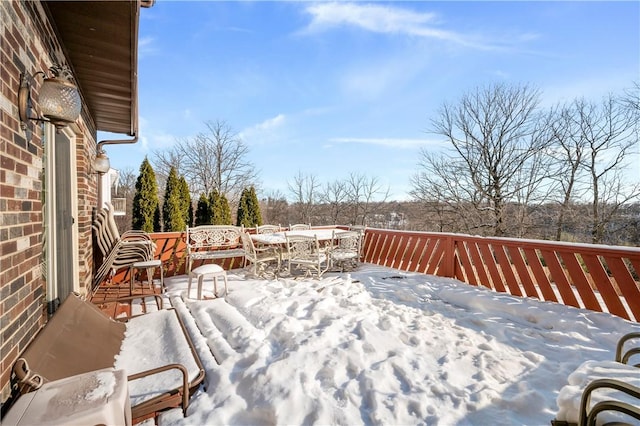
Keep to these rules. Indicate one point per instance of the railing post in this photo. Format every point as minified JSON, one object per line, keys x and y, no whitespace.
{"x":448,"y":267}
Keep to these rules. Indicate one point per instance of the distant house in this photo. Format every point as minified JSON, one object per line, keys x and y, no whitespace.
{"x":49,"y":187}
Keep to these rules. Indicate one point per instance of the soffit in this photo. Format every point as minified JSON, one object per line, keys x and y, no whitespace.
{"x":100,"y":39}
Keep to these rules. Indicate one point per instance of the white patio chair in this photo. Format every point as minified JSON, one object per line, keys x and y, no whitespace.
{"x":260,"y":258}
{"x":300,"y":227}
{"x":344,"y":253}
{"x":268,"y":229}
{"x":303,"y":253}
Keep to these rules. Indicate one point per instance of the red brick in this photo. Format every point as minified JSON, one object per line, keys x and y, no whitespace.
{"x":7,"y":163}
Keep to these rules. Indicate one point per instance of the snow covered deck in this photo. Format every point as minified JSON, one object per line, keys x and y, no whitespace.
{"x":383,"y":346}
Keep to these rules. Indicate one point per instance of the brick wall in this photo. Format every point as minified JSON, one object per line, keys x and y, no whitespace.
{"x":28,"y":44}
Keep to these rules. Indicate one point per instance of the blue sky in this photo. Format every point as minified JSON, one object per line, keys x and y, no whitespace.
{"x":329,"y":88}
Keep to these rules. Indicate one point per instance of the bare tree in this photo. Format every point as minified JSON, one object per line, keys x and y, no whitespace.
{"x":163,"y":161}
{"x":361,"y":191}
{"x":216,"y":159}
{"x":610,"y":132}
{"x":567,"y":150}
{"x":493,"y":131}
{"x":125,"y":187}
{"x":631,"y":97}
{"x":304,"y":190}
{"x":275,"y":209}
{"x":334,"y":196}
{"x":448,"y":193}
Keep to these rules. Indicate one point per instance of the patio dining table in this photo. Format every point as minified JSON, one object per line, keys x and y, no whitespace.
{"x":279,"y":238}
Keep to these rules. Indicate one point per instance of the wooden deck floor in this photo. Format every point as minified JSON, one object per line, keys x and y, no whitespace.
{"x":105,"y":295}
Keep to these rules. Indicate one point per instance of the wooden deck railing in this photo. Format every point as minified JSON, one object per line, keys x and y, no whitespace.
{"x":596,"y":277}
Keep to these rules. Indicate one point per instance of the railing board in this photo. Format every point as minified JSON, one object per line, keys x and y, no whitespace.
{"x":635,"y":263}
{"x":524,"y":272}
{"x":171,"y":249}
{"x":625,"y":282}
{"x":559,"y":278}
{"x":407,"y":253}
{"x":435,"y":260}
{"x":507,"y":271}
{"x":423,"y":264}
{"x":367,"y":249}
{"x":540,"y":275}
{"x":478,"y":265}
{"x":490,"y":262}
{"x":418,"y":253}
{"x":380,"y":242}
{"x":467,"y":271}
{"x":581,"y":282}
{"x":602,"y":282}
{"x":390,"y":261}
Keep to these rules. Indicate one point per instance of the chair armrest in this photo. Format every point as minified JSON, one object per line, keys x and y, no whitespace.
{"x":133,"y":234}
{"x":608,"y":405}
{"x":185,"y":380}
{"x":624,"y":357}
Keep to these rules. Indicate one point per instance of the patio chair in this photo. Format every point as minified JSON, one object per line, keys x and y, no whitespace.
{"x":118,"y":251}
{"x":303,"y":252}
{"x":268,"y":229}
{"x":80,"y":338}
{"x":300,"y":227}
{"x":344,"y":253}
{"x":603,"y":392}
{"x":260,"y":258}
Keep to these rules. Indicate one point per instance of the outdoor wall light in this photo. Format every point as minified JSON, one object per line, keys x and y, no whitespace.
{"x":101,"y":163}
{"x":58,"y":98}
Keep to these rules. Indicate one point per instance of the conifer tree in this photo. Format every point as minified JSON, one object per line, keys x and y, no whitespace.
{"x":256,"y":215}
{"x":220,"y":212}
{"x":249,"y":209}
{"x":146,"y":207}
{"x":225,"y":210}
{"x":185,"y":196}
{"x":203,"y":211}
{"x":214,"y":207}
{"x":173,"y":211}
{"x":242,"y":209}
{"x":243,"y":216}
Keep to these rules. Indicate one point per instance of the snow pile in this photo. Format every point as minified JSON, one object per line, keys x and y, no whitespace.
{"x":380,"y":346}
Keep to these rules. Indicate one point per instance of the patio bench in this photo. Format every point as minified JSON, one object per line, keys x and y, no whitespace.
{"x":163,"y":369}
{"x":210,"y":242}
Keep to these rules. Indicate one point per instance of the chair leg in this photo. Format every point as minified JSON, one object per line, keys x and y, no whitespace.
{"x":131,"y":271}
{"x":150,"y":277}
{"x":200,"y":280}
{"x":163,"y":289}
{"x":189,"y":287}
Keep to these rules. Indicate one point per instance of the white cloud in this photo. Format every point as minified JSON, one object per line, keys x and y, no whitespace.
{"x":390,"y":142}
{"x":271,"y":123}
{"x":382,"y":19}
{"x":264,"y":132}
{"x":147,"y":46}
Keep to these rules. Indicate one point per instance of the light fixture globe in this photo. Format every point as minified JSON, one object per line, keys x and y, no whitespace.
{"x":101,"y":163}
{"x":59,"y":101}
